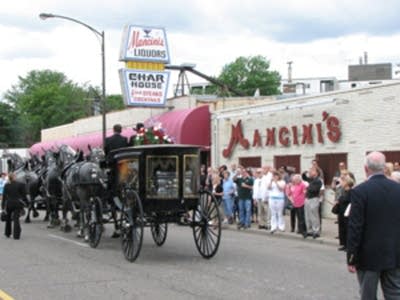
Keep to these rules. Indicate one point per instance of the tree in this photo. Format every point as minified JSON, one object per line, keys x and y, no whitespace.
{"x":46,"y":99}
{"x":10,"y":129}
{"x":115,"y":102}
{"x":247,"y":74}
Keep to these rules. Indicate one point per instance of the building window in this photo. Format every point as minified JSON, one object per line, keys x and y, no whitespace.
{"x":329,"y":164}
{"x":250,"y":162}
{"x":391,"y":156}
{"x":288,"y":161}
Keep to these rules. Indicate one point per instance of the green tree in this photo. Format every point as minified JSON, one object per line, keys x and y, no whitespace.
{"x":115,"y":102}
{"x":247,"y":74}
{"x":46,"y":99}
{"x":10,"y":129}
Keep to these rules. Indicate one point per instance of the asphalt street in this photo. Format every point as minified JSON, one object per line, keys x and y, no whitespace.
{"x":49,"y":264}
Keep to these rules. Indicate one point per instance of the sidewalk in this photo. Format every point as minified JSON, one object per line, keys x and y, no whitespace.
{"x":328,"y":234}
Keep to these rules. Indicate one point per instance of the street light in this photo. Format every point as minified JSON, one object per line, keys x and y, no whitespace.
{"x":45,"y":16}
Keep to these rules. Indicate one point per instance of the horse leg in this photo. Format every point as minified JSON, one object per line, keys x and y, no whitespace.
{"x":114,"y":215}
{"x":28,"y":214}
{"x":53,"y":212}
{"x":66,"y":227}
{"x":81,"y":222}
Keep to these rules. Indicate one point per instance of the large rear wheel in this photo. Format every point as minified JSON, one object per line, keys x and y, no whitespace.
{"x":206,"y":223}
{"x":131,"y":225}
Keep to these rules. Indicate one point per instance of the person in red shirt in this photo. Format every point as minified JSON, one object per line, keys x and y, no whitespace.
{"x":296,"y":192}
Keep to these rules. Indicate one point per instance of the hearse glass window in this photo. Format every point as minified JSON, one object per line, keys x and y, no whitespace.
{"x":162,"y":176}
{"x":191,"y":175}
{"x":128,"y":171}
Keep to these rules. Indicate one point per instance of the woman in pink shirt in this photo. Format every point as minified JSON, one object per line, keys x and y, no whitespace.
{"x":296,"y":193}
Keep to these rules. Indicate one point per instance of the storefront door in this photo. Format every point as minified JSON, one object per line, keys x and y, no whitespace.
{"x":288,"y":161}
{"x":329,"y":164}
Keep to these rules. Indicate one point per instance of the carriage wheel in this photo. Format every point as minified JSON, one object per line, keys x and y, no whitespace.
{"x":132,"y":223}
{"x":159,"y":232}
{"x":206,"y":225}
{"x":95,"y":224}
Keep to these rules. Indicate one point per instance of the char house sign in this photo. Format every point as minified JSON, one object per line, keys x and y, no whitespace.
{"x":326,"y":130}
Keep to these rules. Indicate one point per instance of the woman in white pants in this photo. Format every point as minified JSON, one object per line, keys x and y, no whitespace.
{"x":277,"y":202}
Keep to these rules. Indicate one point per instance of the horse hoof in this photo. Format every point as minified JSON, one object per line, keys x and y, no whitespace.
{"x":86,"y":239}
{"x":79,"y":234}
{"x":46,"y":219}
{"x":35,"y":214}
{"x":27,"y":220}
{"x":115,"y":235}
{"x":50,"y":225}
{"x":67,"y":228}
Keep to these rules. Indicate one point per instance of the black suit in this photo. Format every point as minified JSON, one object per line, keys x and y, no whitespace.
{"x":373,"y":243}
{"x":114,"y":142}
{"x":13,"y":197}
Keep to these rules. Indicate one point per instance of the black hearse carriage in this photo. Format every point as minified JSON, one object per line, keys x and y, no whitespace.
{"x":157,"y":185}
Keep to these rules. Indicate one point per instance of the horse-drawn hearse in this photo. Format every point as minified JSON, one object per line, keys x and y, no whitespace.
{"x":153,"y":185}
{"x":146,"y":186}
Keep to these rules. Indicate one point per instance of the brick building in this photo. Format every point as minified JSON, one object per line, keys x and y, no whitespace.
{"x":330,"y":127}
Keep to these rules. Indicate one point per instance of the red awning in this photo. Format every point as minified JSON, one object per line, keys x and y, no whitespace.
{"x":80,"y":142}
{"x":185,"y":126}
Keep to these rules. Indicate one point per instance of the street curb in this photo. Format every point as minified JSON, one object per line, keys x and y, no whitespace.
{"x":289,"y":236}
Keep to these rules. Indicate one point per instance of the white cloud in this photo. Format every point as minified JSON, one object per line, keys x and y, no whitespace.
{"x":321,"y":37}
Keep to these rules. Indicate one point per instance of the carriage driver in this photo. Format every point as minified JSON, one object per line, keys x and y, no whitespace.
{"x":114,"y":142}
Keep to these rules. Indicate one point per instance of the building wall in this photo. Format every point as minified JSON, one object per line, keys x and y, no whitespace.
{"x":309,"y":86}
{"x":368,"y":119}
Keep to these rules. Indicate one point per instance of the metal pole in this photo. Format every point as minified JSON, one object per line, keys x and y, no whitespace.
{"x":103,"y":96}
{"x":45,"y":16}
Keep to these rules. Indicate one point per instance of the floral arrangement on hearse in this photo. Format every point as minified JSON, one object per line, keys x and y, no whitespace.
{"x":151,"y":135}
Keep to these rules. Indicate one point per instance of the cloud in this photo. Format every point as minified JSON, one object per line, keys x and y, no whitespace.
{"x":290,"y":21}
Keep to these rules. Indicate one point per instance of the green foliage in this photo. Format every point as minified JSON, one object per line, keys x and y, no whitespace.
{"x":151,"y":135}
{"x":10,"y":128}
{"x":115,"y":102}
{"x":247,"y":74}
{"x":46,"y":99}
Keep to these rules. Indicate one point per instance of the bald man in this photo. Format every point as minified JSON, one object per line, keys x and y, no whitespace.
{"x":373,"y":243}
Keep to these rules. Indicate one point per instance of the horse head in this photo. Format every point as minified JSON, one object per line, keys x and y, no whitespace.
{"x":96,"y":155}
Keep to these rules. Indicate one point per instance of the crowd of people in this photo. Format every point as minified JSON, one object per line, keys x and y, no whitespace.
{"x":262,"y":196}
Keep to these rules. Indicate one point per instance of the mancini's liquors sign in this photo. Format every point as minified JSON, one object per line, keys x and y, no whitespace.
{"x":144,"y":44}
{"x":145,"y":51}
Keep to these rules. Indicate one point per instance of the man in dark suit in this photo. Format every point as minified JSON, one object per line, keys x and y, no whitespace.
{"x":373,"y":243}
{"x":115,"y":141}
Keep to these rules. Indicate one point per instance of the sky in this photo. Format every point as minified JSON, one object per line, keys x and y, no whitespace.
{"x":320,"y":37}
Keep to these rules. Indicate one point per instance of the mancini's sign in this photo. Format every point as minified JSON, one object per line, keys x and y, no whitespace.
{"x":144,"y":88}
{"x":145,"y":52}
{"x":144,"y":44}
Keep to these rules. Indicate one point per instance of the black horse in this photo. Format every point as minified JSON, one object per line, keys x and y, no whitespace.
{"x":84,"y":184}
{"x":29,"y":178}
{"x":52,"y":187}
